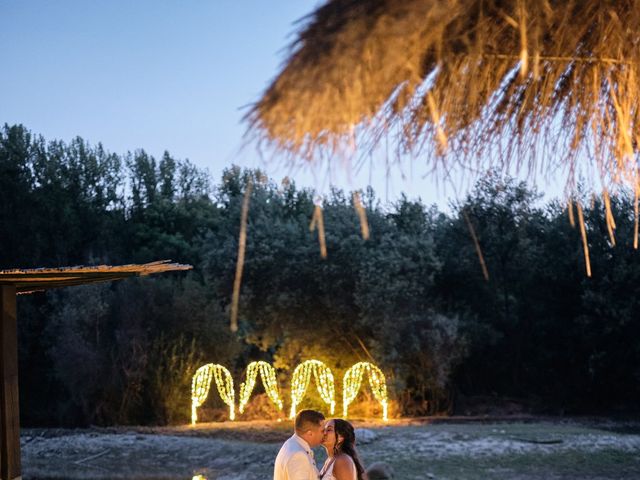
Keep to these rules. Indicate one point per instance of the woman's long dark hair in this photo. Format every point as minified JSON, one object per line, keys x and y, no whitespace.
{"x":348,"y":444}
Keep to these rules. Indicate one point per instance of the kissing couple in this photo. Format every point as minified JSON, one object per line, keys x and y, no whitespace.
{"x":295,"y":458}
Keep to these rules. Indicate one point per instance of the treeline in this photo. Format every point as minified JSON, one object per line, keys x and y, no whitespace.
{"x":413,"y":297}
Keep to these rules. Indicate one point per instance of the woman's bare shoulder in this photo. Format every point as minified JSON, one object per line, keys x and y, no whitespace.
{"x":343,"y":466}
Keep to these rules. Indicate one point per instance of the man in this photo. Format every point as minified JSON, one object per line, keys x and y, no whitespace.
{"x":295,"y":458}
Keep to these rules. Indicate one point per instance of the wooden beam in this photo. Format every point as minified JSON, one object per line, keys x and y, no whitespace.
{"x":10,"y":468}
{"x":38,"y":279}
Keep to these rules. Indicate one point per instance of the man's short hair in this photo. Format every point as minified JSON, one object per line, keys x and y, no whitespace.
{"x":306,"y":419}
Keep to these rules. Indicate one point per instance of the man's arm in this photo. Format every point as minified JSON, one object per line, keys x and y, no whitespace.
{"x":298,"y":466}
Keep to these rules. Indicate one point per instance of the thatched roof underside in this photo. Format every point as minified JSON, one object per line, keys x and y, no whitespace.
{"x":530,"y":84}
{"x":38,"y":279}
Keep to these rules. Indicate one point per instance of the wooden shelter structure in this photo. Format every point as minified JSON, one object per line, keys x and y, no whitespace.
{"x":16,"y":282}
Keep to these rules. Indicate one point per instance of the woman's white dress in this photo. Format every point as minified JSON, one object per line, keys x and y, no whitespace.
{"x":327,"y":470}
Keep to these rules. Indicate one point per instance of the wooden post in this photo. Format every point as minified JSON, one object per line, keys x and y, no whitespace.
{"x":9,"y":409}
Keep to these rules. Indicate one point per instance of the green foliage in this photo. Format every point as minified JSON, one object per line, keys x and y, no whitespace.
{"x":412,"y":298}
{"x":168,"y":379}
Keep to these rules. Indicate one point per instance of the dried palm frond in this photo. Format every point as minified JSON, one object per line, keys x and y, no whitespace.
{"x":242,"y":246}
{"x":585,"y":241}
{"x":317,"y":221}
{"x":476,"y":243}
{"x":533,"y":84}
{"x":608,"y":216}
{"x":362,"y":216}
{"x":572,"y":219}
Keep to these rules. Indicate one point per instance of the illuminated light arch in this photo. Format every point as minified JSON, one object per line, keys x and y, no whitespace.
{"x":201,"y":383}
{"x":353,"y":381}
{"x":269,"y":381}
{"x":324,"y":381}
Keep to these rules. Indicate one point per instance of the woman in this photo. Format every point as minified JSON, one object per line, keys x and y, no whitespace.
{"x":340,"y":443}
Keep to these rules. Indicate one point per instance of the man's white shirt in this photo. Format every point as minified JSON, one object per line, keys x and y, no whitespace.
{"x":295,"y":461}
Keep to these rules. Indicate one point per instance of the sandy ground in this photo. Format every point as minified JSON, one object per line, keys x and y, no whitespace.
{"x":463,"y":449}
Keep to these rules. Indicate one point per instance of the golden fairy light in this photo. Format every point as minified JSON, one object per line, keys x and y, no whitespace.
{"x":324,"y":381}
{"x":201,"y":383}
{"x":269,"y":381}
{"x":353,"y":381}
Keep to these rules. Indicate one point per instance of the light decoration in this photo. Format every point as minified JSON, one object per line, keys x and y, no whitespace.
{"x":353,"y":381}
{"x":201,"y":383}
{"x":324,"y":381}
{"x":269,"y":381}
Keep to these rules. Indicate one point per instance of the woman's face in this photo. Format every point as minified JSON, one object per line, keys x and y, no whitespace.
{"x":329,"y":439}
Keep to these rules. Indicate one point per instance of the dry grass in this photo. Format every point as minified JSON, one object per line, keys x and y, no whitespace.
{"x":530,"y":85}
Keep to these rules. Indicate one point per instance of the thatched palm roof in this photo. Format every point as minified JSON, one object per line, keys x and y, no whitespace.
{"x":535,"y":84}
{"x":37,"y":279}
